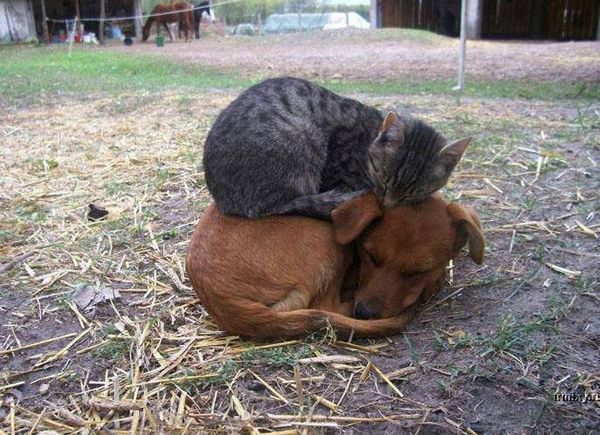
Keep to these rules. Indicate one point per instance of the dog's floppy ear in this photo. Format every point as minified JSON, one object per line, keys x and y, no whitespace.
{"x":469,"y":222}
{"x":352,"y":217}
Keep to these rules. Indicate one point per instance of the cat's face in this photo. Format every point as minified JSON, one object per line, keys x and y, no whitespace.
{"x":409,"y":160}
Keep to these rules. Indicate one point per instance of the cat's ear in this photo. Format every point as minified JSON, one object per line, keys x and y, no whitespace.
{"x":451,"y":154}
{"x":352,"y":217}
{"x":392,"y":129}
{"x":388,"y":121}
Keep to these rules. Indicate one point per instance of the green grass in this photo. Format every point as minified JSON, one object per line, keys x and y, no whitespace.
{"x":492,"y":89}
{"x":30,"y":72}
{"x":519,"y":338}
{"x":37,"y":71}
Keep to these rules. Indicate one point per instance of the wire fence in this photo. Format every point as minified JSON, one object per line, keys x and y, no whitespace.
{"x":138,"y":16}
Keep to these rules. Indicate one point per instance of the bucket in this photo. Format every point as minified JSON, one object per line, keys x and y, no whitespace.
{"x":160,"y":41}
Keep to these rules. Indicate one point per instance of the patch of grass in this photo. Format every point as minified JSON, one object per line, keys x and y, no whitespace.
{"x":528,"y":203}
{"x":168,"y":234}
{"x":486,"y":89}
{"x":115,"y":346}
{"x":42,"y":165}
{"x":274,"y":357}
{"x":92,"y":70}
{"x":414,"y":353}
{"x":225,"y":370}
{"x":162,"y":176}
{"x":38,"y":71}
{"x":277,"y":357}
{"x":138,"y":226}
{"x":115,"y":187}
{"x":396,"y":34}
{"x":33,"y":212}
{"x":519,"y":338}
{"x":5,"y":236}
{"x":581,"y":284}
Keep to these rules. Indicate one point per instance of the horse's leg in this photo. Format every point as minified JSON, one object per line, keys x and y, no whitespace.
{"x":168,"y":30}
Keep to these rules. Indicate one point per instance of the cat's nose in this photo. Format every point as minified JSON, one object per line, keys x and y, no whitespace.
{"x":362,"y":312}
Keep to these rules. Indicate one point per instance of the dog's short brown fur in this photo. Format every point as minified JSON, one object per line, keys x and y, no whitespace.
{"x":282,"y":276}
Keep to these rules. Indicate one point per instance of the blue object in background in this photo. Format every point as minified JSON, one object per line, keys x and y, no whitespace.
{"x":116,"y":32}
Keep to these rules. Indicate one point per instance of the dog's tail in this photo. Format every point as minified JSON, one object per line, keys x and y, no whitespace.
{"x":345,"y":326}
{"x":264,"y":322}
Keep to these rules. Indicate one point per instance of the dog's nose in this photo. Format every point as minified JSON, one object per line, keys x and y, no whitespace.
{"x":362,"y":312}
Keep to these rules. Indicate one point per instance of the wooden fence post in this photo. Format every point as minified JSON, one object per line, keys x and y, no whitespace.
{"x":101,"y":24}
{"x":137,"y":11}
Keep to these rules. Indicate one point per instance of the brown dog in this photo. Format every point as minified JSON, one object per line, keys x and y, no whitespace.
{"x":283,"y":276}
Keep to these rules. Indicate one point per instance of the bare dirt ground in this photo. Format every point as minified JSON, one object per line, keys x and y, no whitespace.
{"x":385,"y":54}
{"x":488,"y":355}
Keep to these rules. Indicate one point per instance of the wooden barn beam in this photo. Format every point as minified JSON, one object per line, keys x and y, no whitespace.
{"x":598,"y":29}
{"x":45,"y":33}
{"x":78,"y":15}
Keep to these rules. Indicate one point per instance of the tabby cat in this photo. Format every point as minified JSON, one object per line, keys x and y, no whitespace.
{"x":288,"y":146}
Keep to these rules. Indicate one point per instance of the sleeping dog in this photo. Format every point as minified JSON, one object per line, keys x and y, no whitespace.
{"x":285,"y":276}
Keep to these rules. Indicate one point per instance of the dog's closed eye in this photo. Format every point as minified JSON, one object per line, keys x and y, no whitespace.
{"x":373,"y":258}
{"x":413,"y":273}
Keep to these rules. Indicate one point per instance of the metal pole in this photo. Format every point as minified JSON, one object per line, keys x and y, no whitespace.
{"x":71,"y":34}
{"x":373,"y":14}
{"x":463,"y":48}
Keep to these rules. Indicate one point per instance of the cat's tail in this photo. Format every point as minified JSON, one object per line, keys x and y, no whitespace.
{"x":318,"y":206}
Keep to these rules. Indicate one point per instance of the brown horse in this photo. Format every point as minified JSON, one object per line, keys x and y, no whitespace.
{"x":181,"y":12}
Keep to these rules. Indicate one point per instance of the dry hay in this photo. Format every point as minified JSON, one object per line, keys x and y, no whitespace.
{"x":385,"y":54}
{"x":152,"y":361}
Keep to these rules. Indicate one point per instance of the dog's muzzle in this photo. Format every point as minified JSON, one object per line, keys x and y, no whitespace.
{"x":362,"y":312}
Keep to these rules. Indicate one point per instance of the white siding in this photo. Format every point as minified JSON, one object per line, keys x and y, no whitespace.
{"x":16,"y":21}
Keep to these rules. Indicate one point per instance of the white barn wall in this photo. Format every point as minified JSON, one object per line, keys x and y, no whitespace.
{"x":16,"y":21}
